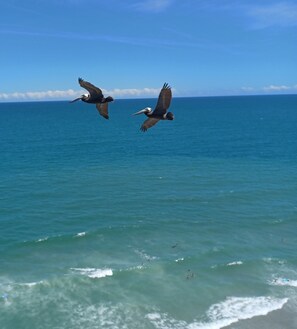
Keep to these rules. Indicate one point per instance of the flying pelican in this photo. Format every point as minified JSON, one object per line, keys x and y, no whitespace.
{"x":160,"y":110}
{"x":95,"y":96}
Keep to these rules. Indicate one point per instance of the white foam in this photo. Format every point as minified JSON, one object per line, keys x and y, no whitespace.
{"x":30,"y":284}
{"x":179,"y":259}
{"x":283,"y":282}
{"x":117,"y":316}
{"x":42,"y":239}
{"x":137,"y":267}
{"x":229,"y":264}
{"x":94,"y":273}
{"x":270,"y":260}
{"x":163,"y":321}
{"x":239,"y":308}
{"x":222,"y":314}
{"x":80,"y":234}
{"x":235,"y":263}
{"x":145,"y":256}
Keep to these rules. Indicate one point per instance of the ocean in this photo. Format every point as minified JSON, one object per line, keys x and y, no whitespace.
{"x":191,"y":225}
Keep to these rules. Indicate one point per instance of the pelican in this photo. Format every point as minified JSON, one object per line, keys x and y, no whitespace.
{"x":95,"y":96}
{"x":160,"y":110}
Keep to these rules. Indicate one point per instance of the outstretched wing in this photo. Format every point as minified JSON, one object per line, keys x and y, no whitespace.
{"x":94,"y":91}
{"x":148,"y":123}
{"x":163,"y":100}
{"x":103,"y":109}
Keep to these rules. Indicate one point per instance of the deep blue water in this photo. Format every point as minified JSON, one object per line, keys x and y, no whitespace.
{"x":189,"y":225}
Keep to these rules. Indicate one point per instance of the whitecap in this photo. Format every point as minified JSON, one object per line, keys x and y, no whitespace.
{"x":80,"y":234}
{"x":42,"y":239}
{"x":94,"y":273}
{"x":179,"y":259}
{"x":235,"y":263}
{"x":30,"y":284}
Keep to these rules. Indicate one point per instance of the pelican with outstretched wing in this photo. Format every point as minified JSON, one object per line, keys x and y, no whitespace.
{"x":95,"y":96}
{"x":160,"y":111}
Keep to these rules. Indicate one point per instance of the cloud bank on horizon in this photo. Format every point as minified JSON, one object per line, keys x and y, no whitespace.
{"x":132,"y":93}
{"x":70,"y":93}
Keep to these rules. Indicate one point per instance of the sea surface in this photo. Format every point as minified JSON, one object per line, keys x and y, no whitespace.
{"x":191,"y":225}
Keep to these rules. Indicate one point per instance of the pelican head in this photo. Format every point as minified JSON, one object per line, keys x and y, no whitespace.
{"x":170,"y":116}
{"x":109,"y":99}
{"x":145,"y":110}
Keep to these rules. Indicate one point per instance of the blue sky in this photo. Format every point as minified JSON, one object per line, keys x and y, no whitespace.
{"x":130,"y":48}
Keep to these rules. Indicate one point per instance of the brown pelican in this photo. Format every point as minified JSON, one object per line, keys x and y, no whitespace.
{"x":160,"y":110}
{"x":95,"y":96}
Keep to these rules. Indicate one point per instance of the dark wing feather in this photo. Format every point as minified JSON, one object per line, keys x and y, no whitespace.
{"x":94,"y":91}
{"x":163,"y":100}
{"x":103,"y":109}
{"x":148,"y":123}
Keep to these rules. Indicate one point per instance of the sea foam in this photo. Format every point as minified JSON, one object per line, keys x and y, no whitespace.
{"x":235,"y":263}
{"x":80,"y":234}
{"x":283,"y":282}
{"x":42,"y":239}
{"x":222,"y":314}
{"x":31,"y":284}
{"x":94,"y":273}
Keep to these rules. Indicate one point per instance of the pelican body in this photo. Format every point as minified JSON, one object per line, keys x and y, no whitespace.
{"x":95,"y":96}
{"x":160,"y":111}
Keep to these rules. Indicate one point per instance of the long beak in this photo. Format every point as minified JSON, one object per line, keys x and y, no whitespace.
{"x":140,"y":112}
{"x":76,"y":99}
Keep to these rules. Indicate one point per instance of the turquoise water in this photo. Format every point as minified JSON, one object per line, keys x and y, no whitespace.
{"x":190,"y":225}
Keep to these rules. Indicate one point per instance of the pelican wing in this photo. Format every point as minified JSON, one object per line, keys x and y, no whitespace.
{"x":94,"y":91}
{"x":103,"y":109}
{"x":163,"y":100}
{"x":148,"y":123}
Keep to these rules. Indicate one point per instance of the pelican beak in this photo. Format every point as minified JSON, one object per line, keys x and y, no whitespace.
{"x":140,"y":112}
{"x":76,"y":99}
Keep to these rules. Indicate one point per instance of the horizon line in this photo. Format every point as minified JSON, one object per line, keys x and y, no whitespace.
{"x":151,"y":97}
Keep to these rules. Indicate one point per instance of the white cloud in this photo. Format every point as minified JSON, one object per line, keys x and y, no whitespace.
{"x":271,"y":89}
{"x":132,"y":92}
{"x":280,"y":88}
{"x":70,"y":94}
{"x":153,"y":5}
{"x":276,"y":14}
{"x":279,"y":13}
{"x":248,"y":89}
{"x":39,"y":95}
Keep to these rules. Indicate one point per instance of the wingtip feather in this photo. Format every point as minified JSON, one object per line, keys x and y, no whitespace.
{"x":166,"y":86}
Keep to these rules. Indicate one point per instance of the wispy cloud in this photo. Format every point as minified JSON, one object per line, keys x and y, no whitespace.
{"x":144,"y":92}
{"x":270,"y":89}
{"x":152,"y":5}
{"x":39,"y":95}
{"x":70,"y":93}
{"x":280,"y":88}
{"x":277,"y":14}
{"x":145,"y":42}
